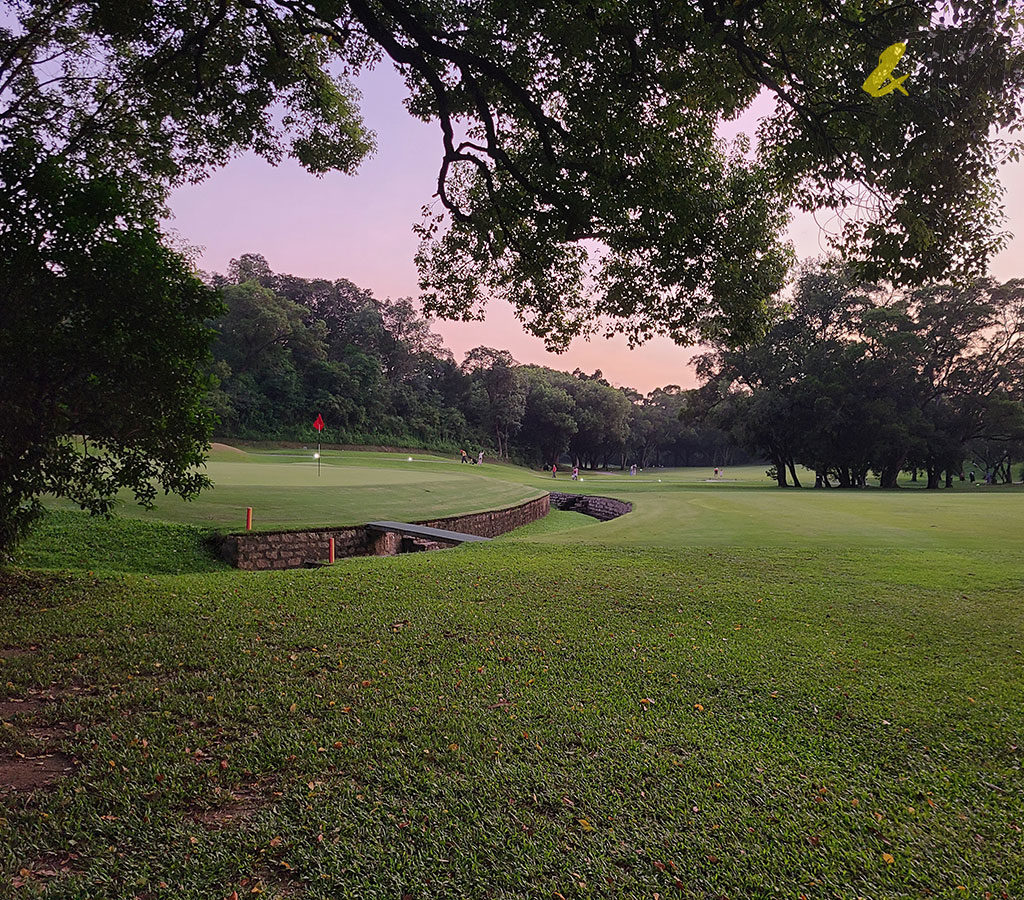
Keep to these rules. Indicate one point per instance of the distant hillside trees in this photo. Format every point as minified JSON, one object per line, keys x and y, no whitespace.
{"x":857,"y":379}
{"x":289,"y":347}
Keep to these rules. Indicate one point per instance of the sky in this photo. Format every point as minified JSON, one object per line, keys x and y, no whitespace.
{"x":359,"y":227}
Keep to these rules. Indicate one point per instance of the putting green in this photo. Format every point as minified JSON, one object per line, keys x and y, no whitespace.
{"x":286,"y":490}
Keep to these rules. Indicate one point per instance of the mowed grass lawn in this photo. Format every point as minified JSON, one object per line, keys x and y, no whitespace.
{"x":732,"y":692}
{"x":286,"y":491}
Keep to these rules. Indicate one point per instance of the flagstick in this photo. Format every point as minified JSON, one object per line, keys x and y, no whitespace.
{"x":317,"y":459}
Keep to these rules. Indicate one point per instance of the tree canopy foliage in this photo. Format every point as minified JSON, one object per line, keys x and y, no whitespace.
{"x":587,"y":180}
{"x":855,"y":378}
{"x":101,"y":337}
{"x":104,"y":107}
{"x":580,"y":177}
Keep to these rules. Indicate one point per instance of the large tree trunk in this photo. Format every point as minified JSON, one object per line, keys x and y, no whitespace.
{"x":780,"y":473}
{"x":887,"y":477}
{"x":1008,"y":479}
{"x":792,"y":471}
{"x":933,"y":478}
{"x":949,"y":478}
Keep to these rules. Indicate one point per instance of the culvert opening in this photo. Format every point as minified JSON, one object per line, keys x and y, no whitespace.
{"x":602,"y":508}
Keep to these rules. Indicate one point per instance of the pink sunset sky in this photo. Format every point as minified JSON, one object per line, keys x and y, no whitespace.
{"x":359,"y":227}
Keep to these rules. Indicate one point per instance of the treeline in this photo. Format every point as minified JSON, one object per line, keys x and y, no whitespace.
{"x":288,"y":348}
{"x":858,"y":379}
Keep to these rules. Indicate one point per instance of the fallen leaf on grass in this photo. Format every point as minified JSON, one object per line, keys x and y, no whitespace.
{"x":889,"y":858}
{"x":585,"y":825}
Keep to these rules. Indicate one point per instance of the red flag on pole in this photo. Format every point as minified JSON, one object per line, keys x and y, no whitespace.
{"x":319,"y":423}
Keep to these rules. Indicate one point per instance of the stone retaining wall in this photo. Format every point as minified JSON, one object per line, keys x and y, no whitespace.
{"x":262,"y":550}
{"x":603,"y":508}
{"x":495,"y":522}
{"x":293,"y":549}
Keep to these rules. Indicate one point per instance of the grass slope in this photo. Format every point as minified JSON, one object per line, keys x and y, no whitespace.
{"x":66,"y":539}
{"x":737,"y":516}
{"x":516,"y":720}
{"x":732,"y":692}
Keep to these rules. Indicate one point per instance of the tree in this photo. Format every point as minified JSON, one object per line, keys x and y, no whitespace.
{"x":103,"y":351}
{"x":971,"y":360}
{"x":548,"y":419}
{"x":855,"y":378}
{"x":504,"y":386}
{"x":602,"y":420}
{"x":170,"y":90}
{"x":590,"y":182}
{"x":580,"y":173}
{"x":273,"y":364}
{"x":103,"y":107}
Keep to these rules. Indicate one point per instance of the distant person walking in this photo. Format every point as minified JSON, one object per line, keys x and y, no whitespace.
{"x":465,"y":458}
{"x":554,"y":470}
{"x":716,"y":471}
{"x":480,"y":458}
{"x":632,"y":469}
{"x":972,"y":477}
{"x":575,"y":472}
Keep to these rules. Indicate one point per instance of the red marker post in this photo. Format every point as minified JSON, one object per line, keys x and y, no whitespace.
{"x":248,"y":518}
{"x":319,"y":426}
{"x":330,"y":551}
